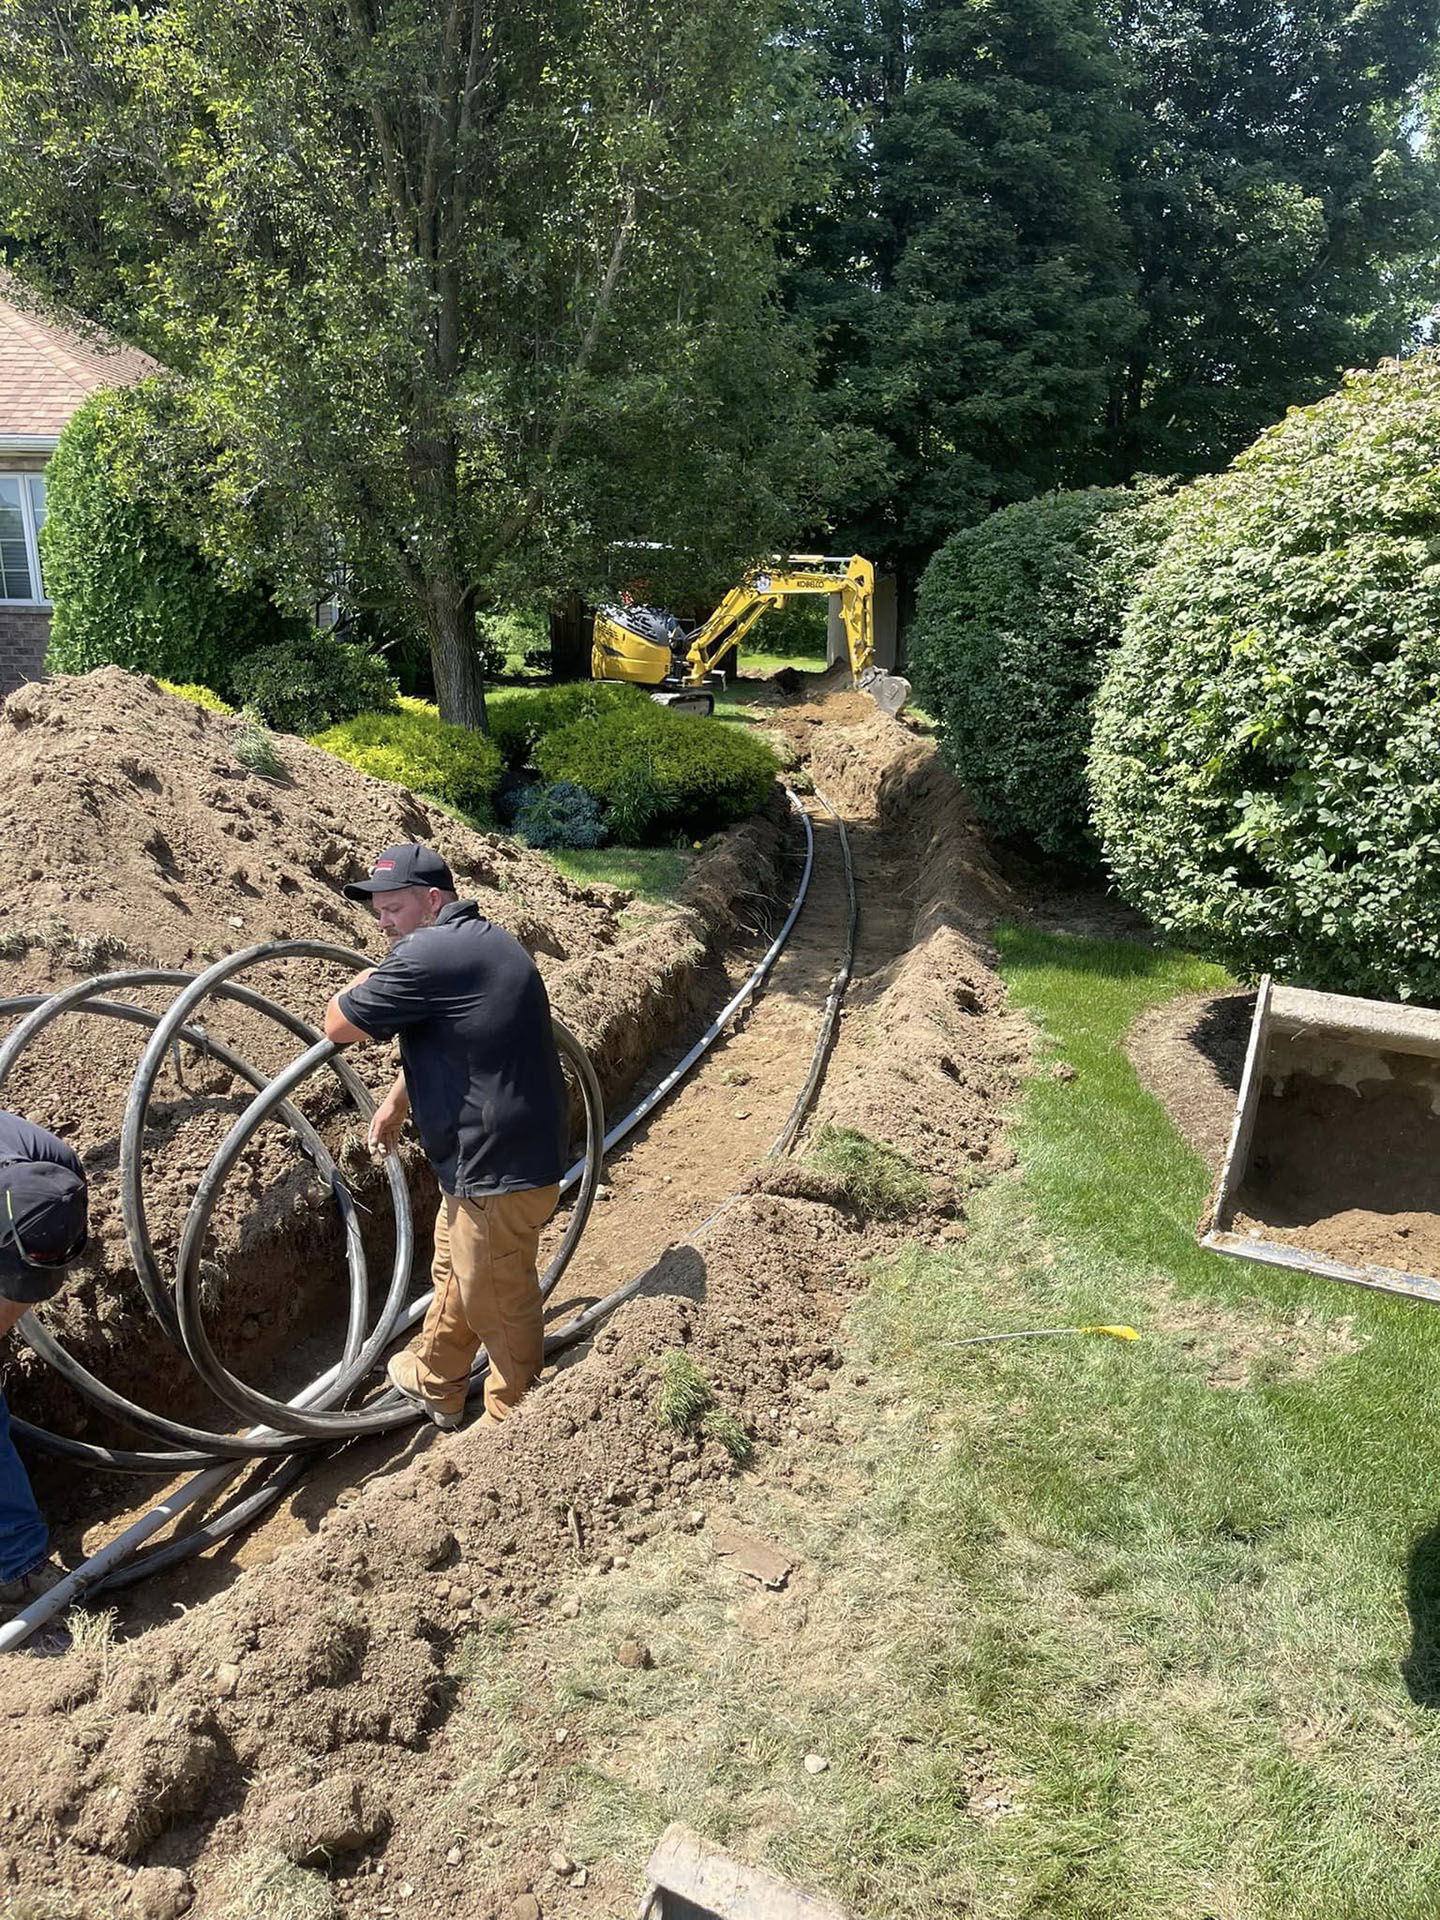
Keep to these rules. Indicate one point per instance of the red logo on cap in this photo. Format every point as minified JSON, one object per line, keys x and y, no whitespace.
{"x":384,"y":866}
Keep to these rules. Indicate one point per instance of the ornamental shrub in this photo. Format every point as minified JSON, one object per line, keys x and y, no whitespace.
{"x":1016,"y":615}
{"x":560,"y":815}
{"x":312,"y":682}
{"x":128,"y":589}
{"x":197,"y":695}
{"x":412,"y":746}
{"x":703,"y":773}
{"x":1266,"y":760}
{"x":518,"y":720}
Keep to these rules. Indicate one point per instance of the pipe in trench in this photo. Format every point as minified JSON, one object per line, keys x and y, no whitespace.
{"x":296,"y":1419}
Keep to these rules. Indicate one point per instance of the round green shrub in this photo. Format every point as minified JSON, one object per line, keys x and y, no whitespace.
{"x":413,"y":747}
{"x":518,"y":720}
{"x":312,"y":682}
{"x":699,"y":774}
{"x":128,"y":589}
{"x":1266,"y":760}
{"x":1015,"y":617}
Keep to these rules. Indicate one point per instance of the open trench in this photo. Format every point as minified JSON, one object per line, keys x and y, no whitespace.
{"x":704,"y":1143}
{"x":317,"y":1648}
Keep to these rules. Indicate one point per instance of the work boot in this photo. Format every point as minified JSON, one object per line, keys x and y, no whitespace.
{"x":51,"y":1640}
{"x":403,"y":1372}
{"x":17,"y":1594}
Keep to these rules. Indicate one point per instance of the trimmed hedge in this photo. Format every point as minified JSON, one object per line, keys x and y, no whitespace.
{"x":659,"y":772}
{"x":128,"y":590}
{"x":1266,"y":761}
{"x":1016,"y":616}
{"x":313,"y":682}
{"x":413,"y":747}
{"x":518,"y":720}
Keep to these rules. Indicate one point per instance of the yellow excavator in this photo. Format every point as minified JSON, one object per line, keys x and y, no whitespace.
{"x":649,"y":647}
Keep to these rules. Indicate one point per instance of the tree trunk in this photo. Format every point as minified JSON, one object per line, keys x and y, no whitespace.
{"x":572,"y":631}
{"x":459,"y":684}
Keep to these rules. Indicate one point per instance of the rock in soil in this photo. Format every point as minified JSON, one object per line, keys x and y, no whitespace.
{"x":321,"y":1823}
{"x":160,"y":1893}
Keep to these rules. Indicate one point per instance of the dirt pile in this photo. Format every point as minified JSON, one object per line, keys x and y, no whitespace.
{"x":135,"y":833}
{"x":940,"y":1054}
{"x":141,"y":840}
{"x":303,"y":1711}
{"x":1190,"y":1053}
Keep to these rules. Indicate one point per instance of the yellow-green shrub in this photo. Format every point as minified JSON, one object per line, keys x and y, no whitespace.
{"x":413,"y":747}
{"x":199,"y":696}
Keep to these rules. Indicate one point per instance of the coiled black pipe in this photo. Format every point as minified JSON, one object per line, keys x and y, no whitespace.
{"x":126,"y":1557}
{"x":315,"y":1417}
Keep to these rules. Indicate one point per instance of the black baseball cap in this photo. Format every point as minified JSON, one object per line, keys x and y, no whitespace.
{"x":409,"y":866}
{"x":44,"y":1224}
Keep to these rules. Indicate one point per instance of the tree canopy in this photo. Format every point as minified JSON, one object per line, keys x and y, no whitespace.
{"x":1070,"y":241}
{"x":967,"y":273}
{"x":1282,"y":207}
{"x":463,"y":294}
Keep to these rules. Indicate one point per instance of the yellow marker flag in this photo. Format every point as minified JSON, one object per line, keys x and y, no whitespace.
{"x":1041,"y":1333}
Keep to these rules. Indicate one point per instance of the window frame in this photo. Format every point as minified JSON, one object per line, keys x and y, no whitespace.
{"x":32,"y":539}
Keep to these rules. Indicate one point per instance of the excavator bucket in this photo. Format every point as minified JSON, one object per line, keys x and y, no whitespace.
{"x":1334,"y":1159}
{"x":889,"y":691}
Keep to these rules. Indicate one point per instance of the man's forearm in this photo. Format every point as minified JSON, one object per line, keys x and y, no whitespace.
{"x":399,"y":1094}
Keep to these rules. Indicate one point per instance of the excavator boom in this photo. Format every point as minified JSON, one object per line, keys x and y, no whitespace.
{"x":649,"y":648}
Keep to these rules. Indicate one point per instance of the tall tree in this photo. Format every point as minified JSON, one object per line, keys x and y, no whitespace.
{"x":463,"y":291}
{"x":967,"y":275}
{"x":1283,"y":204}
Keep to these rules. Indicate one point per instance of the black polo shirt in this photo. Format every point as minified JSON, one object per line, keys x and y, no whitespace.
{"x":473,"y":1019}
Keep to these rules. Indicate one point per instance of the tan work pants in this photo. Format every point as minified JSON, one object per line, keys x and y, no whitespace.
{"x":486,"y":1293}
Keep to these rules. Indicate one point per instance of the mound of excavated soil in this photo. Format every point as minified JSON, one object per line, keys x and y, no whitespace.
{"x":940,"y":1054}
{"x":304,"y":1707}
{"x":137,"y":838}
{"x":127,"y":817}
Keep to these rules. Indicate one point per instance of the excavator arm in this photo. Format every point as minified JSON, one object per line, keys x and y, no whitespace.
{"x":648,"y":648}
{"x":765,"y":587}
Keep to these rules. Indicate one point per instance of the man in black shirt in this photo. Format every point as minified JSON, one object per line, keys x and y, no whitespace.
{"x":481,"y":1076}
{"x":43,"y":1226}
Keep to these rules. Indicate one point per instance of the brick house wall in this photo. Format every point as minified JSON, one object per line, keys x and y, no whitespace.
{"x":46,"y":372}
{"x":24,"y":636}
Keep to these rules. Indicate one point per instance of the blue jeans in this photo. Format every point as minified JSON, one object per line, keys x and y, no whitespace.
{"x":24,"y":1537}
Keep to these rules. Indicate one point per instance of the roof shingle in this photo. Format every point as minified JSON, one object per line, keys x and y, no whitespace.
{"x":47,"y":371}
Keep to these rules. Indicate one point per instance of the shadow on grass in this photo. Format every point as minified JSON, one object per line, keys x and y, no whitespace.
{"x":1420,"y":1669}
{"x":1080,"y":953}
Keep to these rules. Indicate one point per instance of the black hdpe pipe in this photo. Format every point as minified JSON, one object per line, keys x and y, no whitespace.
{"x":109,"y":1568}
{"x":193,"y":1447}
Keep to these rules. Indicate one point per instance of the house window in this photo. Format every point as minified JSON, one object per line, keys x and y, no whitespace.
{"x":22,"y":514}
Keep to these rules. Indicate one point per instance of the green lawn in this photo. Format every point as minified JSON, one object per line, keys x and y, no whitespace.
{"x":1177,"y":1572}
{"x":1084,"y":1629}
{"x":655,"y":874}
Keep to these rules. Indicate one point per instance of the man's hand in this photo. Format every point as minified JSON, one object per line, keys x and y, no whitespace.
{"x":10,"y":1312}
{"x":389,"y":1119}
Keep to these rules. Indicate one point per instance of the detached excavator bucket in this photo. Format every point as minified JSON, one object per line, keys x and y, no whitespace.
{"x":889,"y":691}
{"x":1334,"y":1159}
